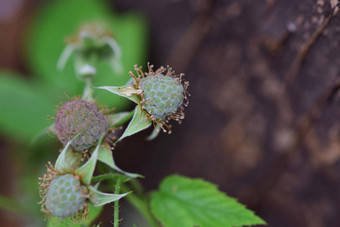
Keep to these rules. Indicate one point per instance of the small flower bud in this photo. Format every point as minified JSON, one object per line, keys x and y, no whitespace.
{"x":92,"y":42}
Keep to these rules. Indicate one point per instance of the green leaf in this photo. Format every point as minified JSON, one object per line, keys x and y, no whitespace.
{"x":98,"y":198}
{"x":105,"y":156}
{"x":23,"y":112}
{"x":139,"y":122}
{"x":182,"y":201}
{"x":92,"y":215}
{"x":59,"y":19}
{"x":85,"y":172}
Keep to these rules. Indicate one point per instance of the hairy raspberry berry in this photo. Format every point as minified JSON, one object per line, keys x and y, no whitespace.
{"x":79,"y":116}
{"x":162,"y":94}
{"x":65,"y":196}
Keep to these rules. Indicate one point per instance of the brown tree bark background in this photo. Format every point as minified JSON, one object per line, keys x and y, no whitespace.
{"x":263,"y":121}
{"x":263,"y":116}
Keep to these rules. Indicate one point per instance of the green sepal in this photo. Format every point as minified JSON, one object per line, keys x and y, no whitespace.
{"x":98,"y":198}
{"x":96,"y":186}
{"x":61,"y":164}
{"x":154,"y":133}
{"x":105,"y":156}
{"x":139,"y":122}
{"x":118,"y":119}
{"x":116,"y":58}
{"x":114,"y":177}
{"x":124,"y":91}
{"x":48,"y":129}
{"x":66,"y":55}
{"x":85,"y":172}
{"x":93,"y":213}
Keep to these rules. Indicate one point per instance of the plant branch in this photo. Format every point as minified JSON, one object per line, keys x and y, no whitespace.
{"x":306,"y":47}
{"x":88,"y":90}
{"x":116,"y":204}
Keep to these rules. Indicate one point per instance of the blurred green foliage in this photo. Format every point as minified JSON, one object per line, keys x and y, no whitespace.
{"x":23,"y":110}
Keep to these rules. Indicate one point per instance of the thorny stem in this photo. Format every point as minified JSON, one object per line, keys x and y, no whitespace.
{"x":116,"y":204}
{"x":141,"y":204}
{"x":138,"y":200}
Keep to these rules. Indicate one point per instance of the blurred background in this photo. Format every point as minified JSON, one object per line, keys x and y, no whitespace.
{"x":263,"y":121}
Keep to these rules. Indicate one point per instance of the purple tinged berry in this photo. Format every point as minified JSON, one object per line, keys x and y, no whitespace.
{"x":79,"y":116}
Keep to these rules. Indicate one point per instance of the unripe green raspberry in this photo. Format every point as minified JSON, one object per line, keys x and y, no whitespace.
{"x":162,"y":95}
{"x":65,"y":196}
{"x":79,"y":116}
